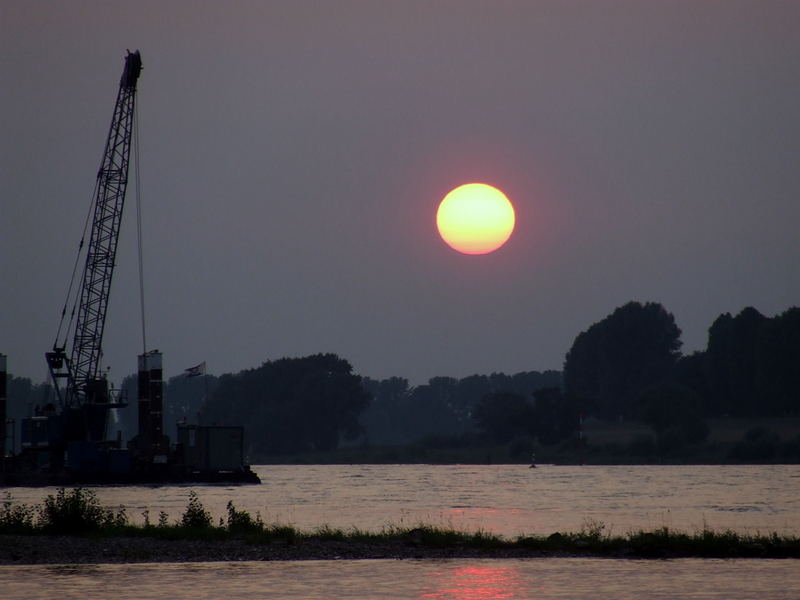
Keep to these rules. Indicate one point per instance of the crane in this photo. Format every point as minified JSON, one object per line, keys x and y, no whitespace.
{"x":70,"y":444}
{"x":85,"y":398}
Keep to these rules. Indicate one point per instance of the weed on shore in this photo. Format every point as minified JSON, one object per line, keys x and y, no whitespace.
{"x":78,"y":512}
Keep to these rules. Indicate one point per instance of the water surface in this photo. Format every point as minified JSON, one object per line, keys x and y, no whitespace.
{"x":505,"y":499}
{"x":542,"y":579}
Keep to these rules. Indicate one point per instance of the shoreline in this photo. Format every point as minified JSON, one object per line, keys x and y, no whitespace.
{"x":74,"y":528}
{"x":16,"y":549}
{"x":39,"y":549}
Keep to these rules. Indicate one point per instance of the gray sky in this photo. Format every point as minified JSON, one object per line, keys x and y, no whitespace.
{"x":293,"y":155}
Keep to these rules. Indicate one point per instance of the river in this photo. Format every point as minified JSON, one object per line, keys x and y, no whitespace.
{"x":540,"y":579}
{"x":509,"y":500}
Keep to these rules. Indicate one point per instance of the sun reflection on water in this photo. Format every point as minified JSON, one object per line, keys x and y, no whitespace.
{"x":475,"y":583}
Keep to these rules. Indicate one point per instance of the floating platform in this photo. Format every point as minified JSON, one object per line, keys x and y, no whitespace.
{"x":203,"y":454}
{"x":11,"y":476}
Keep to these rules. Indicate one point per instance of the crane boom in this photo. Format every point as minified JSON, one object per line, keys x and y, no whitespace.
{"x":112,"y":181}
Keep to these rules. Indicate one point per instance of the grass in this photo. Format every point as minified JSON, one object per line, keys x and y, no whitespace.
{"x":668,"y":543}
{"x":79,"y":513}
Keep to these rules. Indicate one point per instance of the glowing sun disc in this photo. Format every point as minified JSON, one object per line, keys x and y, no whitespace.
{"x":475,"y":218}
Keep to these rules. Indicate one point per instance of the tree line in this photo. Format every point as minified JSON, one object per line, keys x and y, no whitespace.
{"x":627,"y":366}
{"x":631,"y":359}
{"x":442,"y":408}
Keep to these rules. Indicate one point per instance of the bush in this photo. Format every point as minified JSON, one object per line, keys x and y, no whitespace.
{"x":240,"y":521}
{"x":16,"y":518}
{"x":78,"y":511}
{"x":196,"y":516}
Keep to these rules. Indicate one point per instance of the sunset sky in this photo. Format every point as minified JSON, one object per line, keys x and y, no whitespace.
{"x":293,"y":156}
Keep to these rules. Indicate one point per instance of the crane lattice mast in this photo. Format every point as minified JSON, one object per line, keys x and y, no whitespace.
{"x":112,"y":181}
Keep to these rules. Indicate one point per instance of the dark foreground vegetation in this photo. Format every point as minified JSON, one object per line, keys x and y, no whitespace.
{"x":72,"y":527}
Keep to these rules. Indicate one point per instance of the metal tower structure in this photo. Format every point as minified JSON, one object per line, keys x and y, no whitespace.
{"x":84,"y":385}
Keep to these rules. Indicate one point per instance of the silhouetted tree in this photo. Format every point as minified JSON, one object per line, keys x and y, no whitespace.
{"x":441,"y":410}
{"x":674,"y":409}
{"x":555,"y":417}
{"x":291,"y":404}
{"x":778,"y":367}
{"x":433,"y":409}
{"x":504,"y":415}
{"x":732,"y":362}
{"x":752,"y":363}
{"x":610,"y":363}
{"x":384,"y":419}
{"x":690,"y":372}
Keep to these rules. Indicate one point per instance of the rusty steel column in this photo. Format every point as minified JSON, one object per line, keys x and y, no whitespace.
{"x":151,"y":399}
{"x":143,"y":385}
{"x":155,"y":379}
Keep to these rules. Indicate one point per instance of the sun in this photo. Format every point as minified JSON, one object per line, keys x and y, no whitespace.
{"x":475,"y":218}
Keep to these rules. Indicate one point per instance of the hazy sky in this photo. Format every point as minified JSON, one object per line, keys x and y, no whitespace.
{"x":293,"y":155}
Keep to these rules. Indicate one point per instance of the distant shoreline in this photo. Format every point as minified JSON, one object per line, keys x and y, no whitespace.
{"x":606,"y":443}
